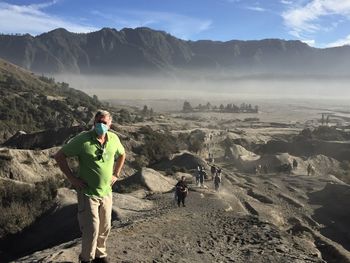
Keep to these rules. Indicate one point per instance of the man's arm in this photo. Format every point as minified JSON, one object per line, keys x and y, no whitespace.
{"x":61,"y":160}
{"x":118,"y":167}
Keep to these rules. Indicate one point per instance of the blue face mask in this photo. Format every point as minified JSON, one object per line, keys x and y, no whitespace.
{"x":101,"y":128}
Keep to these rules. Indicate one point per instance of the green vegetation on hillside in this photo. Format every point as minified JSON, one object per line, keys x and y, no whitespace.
{"x":156,"y":147}
{"x":21,"y":204}
{"x":42,"y":104}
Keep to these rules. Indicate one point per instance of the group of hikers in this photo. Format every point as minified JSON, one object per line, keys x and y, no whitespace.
{"x":284,"y":168}
{"x":181,"y":188}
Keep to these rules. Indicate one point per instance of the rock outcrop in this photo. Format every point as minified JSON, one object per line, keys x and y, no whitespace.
{"x":148,"y":179}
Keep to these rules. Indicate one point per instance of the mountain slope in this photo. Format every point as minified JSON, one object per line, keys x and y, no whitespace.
{"x":32,"y":103}
{"x":144,"y":50}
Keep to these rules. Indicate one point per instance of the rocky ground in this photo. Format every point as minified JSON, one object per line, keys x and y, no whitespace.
{"x":255,"y":217}
{"x":251,"y":219}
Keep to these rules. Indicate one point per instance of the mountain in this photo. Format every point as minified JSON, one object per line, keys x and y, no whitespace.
{"x":31,"y":103}
{"x":144,"y":50}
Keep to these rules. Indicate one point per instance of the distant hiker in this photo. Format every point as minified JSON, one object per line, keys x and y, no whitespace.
{"x":181,"y":191}
{"x":258,"y":169}
{"x":289,"y":168}
{"x":295,"y":164}
{"x":213,"y":171}
{"x":198,"y":172}
{"x":310,"y":169}
{"x":265,"y":168}
{"x":202,"y":175}
{"x":98,"y":151}
{"x":217,"y":179}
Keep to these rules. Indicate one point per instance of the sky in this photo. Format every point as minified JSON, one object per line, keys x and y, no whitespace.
{"x":319,"y":23}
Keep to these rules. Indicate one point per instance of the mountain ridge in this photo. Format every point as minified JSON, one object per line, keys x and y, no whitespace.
{"x":143,"y":50}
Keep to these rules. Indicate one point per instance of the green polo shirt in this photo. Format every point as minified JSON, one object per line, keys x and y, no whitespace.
{"x":96,"y":163}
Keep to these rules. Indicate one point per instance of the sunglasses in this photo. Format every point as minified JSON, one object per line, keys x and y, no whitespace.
{"x":100,"y":153}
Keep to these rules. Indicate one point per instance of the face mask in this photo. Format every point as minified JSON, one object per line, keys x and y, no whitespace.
{"x":101,"y":128}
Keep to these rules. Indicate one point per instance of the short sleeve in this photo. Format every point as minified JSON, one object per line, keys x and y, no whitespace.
{"x":73,"y":147}
{"x":119,"y":148}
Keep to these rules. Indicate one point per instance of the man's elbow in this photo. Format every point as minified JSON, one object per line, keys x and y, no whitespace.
{"x":59,"y":156}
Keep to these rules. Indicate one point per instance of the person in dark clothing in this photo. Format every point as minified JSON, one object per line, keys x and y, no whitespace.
{"x":217,"y":181}
{"x":213,"y":171}
{"x":202,"y":175}
{"x":295,"y":164}
{"x":181,"y":191}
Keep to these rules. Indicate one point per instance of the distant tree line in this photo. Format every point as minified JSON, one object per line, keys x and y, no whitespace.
{"x":147,"y":112}
{"x":230,"y":107}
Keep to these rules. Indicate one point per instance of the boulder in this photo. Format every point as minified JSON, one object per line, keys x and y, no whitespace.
{"x":185,"y":160}
{"x":44,"y":139}
{"x":125,"y":206}
{"x":155,"y":181}
{"x":146,"y":178}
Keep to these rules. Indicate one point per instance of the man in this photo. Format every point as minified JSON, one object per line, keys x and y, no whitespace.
{"x":202,"y":174}
{"x":213,"y":171}
{"x":97,"y":151}
{"x":217,"y":180}
{"x":181,"y":191}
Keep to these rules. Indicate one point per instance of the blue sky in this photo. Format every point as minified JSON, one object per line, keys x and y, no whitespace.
{"x":320,"y":23}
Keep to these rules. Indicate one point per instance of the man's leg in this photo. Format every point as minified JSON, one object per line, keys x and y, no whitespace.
{"x":89,"y":222}
{"x":105,"y":226}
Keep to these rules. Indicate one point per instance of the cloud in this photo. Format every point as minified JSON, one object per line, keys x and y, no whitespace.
{"x":33,"y":20}
{"x":286,"y":2}
{"x":176,"y":24}
{"x":308,"y":18}
{"x":256,"y":8}
{"x":340,"y":42}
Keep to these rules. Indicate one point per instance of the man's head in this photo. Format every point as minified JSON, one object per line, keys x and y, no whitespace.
{"x":183,"y":178}
{"x":102,"y":121}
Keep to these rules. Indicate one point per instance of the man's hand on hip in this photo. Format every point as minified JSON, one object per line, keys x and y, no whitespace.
{"x":114,"y":179}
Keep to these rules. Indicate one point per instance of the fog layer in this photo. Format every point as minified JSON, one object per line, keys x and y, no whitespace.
{"x":130,"y":88}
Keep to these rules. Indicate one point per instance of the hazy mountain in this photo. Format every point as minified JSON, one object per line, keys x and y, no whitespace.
{"x":109,"y":51}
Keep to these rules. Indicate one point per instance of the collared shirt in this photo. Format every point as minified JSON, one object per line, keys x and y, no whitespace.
{"x":96,"y":161}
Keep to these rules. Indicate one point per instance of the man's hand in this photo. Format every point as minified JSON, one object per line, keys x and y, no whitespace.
{"x":114,"y":179}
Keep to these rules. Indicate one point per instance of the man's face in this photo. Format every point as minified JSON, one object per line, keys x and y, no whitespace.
{"x":105,"y":120}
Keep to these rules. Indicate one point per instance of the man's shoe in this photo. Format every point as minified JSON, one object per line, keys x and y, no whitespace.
{"x":101,"y":260}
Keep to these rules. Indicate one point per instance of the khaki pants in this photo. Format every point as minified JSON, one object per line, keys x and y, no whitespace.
{"x":94,"y":215}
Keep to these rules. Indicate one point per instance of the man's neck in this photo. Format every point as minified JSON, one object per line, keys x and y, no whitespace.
{"x":102,"y":138}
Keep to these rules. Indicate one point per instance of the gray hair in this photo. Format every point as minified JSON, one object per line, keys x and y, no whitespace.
{"x":100,"y":113}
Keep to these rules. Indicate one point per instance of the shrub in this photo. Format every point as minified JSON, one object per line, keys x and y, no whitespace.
{"x":157,"y":145}
{"x":196,"y":141}
{"x":21,"y":204}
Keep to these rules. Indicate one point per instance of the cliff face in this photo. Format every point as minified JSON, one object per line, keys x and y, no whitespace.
{"x":109,"y":51}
